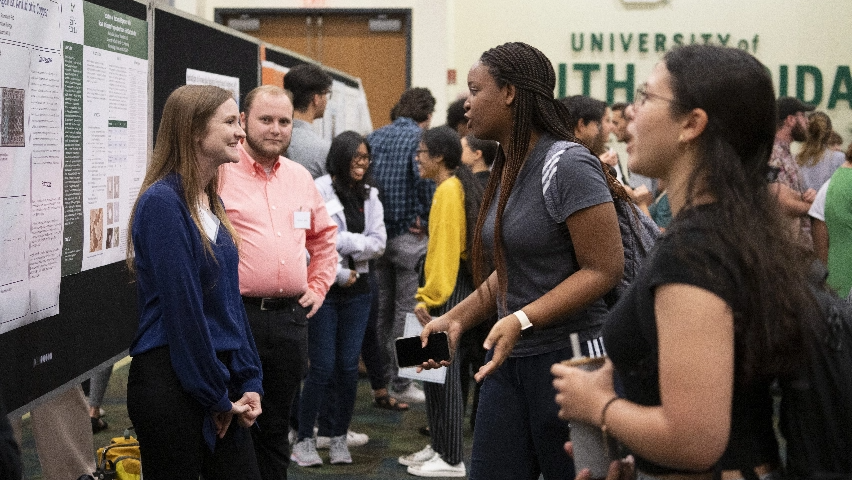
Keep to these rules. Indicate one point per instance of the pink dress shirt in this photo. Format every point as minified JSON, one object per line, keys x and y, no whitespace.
{"x":263,"y":210}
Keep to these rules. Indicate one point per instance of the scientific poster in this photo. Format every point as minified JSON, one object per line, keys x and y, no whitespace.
{"x":106,"y":128}
{"x":198,"y":77}
{"x":346,"y":109}
{"x":30,"y":161}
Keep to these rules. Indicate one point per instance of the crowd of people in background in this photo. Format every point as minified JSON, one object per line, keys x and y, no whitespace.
{"x":269,"y":260}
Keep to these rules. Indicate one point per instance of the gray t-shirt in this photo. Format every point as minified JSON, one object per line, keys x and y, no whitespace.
{"x":537,"y":246}
{"x":814,"y":176}
{"x":308,"y":149}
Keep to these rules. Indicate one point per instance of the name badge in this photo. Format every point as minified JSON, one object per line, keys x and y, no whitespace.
{"x":302,"y":220}
{"x":333,"y":206}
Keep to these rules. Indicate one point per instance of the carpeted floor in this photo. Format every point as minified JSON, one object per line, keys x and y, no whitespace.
{"x":391,"y":434}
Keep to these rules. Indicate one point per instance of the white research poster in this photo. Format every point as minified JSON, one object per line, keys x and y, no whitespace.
{"x":200,"y":77}
{"x":31,"y":185}
{"x":73,"y":141}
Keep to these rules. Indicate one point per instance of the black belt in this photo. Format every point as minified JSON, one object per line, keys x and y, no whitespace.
{"x":272,"y":303}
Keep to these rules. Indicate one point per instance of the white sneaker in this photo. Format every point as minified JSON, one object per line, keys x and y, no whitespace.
{"x":305,"y":453}
{"x":412,"y":394}
{"x":339,"y":452}
{"x":418,"y":458}
{"x":437,"y":467}
{"x":353,"y":439}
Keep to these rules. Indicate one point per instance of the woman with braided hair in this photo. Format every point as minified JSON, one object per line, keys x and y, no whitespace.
{"x":549,"y":226}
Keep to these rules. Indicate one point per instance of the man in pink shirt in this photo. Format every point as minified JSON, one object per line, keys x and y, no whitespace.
{"x":278,"y":213}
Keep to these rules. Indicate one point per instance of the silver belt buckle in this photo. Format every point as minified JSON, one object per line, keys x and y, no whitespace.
{"x":263,"y":303}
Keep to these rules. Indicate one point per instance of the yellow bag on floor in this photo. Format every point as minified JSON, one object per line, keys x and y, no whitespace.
{"x":120,"y":459}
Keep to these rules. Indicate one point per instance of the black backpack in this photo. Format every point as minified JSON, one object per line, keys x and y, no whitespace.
{"x":816,"y":403}
{"x":638,"y":235}
{"x":638,"y":231}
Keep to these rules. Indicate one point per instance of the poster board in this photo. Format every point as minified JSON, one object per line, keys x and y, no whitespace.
{"x":94,"y":318}
{"x":177,"y":48}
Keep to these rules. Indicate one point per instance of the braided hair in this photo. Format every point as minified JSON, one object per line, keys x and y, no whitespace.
{"x":535,"y":108}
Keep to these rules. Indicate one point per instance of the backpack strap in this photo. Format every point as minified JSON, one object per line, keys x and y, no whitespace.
{"x":638,"y":231}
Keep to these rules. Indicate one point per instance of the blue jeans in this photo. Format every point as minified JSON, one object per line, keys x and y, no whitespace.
{"x":518,"y":434}
{"x":371,"y":350}
{"x":335,"y":334}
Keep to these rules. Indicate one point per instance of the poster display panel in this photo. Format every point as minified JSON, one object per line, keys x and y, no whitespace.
{"x":198,"y":77}
{"x":30,"y":161}
{"x":106,"y":127}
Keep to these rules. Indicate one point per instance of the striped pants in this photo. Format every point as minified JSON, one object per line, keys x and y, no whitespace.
{"x":444,"y":407}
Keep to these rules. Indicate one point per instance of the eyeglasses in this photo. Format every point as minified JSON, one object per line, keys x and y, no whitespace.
{"x":361,"y":158}
{"x":642,"y":96}
{"x":422,"y":150}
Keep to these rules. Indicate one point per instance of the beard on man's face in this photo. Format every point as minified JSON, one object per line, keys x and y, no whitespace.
{"x":256,"y":143}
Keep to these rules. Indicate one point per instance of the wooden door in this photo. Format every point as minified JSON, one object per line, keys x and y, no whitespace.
{"x":345,"y":41}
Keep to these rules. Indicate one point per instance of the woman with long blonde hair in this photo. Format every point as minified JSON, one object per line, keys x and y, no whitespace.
{"x":195,"y":380}
{"x":816,"y":160}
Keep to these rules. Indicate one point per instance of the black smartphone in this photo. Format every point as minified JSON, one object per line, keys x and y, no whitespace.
{"x":410,"y":353}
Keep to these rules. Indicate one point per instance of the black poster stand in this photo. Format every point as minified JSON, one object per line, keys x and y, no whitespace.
{"x":181,"y":43}
{"x":96,"y":321}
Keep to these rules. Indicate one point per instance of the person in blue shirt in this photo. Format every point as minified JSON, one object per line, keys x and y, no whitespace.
{"x":406,"y":199}
{"x":195,"y":381}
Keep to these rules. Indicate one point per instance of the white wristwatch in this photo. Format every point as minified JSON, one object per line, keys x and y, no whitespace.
{"x":526,"y":325}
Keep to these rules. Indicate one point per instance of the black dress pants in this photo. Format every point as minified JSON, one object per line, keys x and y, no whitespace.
{"x":281,"y":337}
{"x":169,"y":421}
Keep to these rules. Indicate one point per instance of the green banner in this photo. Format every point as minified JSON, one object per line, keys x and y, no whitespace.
{"x":117,"y":123}
{"x":72,"y":197}
{"x":113,"y":31}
